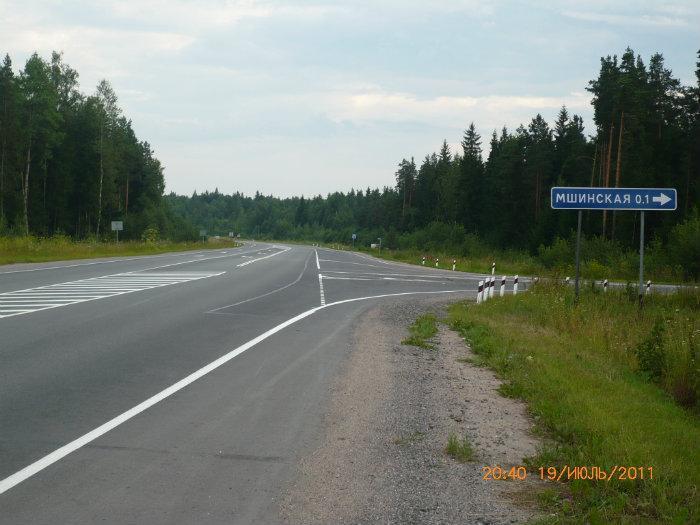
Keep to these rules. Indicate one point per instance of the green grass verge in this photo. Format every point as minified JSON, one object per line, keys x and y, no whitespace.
{"x":506,"y":264}
{"x":422,"y":330}
{"x":44,"y":249}
{"x":606,"y":385}
{"x":459,"y":449}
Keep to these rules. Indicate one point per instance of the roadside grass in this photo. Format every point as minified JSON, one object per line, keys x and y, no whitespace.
{"x":422,"y":330}
{"x":60,"y":248}
{"x":507,"y":263}
{"x":607,"y":385}
{"x":459,"y":449}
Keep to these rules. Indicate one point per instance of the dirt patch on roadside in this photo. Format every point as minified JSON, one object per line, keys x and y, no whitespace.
{"x":389,"y":419}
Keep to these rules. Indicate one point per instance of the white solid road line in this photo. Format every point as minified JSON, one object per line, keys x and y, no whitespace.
{"x":197,"y":254}
{"x":193,"y":261}
{"x":318,"y":264}
{"x":427,"y":275}
{"x":283,"y":249}
{"x":350,"y":262}
{"x":383,"y":279}
{"x":99,"y":262}
{"x":58,"y":454}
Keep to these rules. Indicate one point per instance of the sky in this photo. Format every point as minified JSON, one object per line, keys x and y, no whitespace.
{"x":292,"y":97}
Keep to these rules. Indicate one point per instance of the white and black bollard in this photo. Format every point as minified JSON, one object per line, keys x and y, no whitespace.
{"x":493,"y":268}
{"x":648,"y":291}
{"x":485,"y":295}
{"x":480,"y":293}
{"x":493,"y":286}
{"x":503,"y":285}
{"x":454,"y":264}
{"x":566,"y":280}
{"x":605,"y":286}
{"x":436,"y":262}
{"x":515,"y":285}
{"x":423,"y":261}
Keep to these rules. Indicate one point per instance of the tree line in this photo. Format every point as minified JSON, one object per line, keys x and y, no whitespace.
{"x":70,"y":163}
{"x":646,"y":133}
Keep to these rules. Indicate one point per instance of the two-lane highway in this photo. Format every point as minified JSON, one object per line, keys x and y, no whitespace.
{"x":178,"y":388}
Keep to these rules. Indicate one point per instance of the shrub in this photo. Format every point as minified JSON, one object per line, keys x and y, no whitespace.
{"x":684,"y":246}
{"x":651,"y":355}
{"x":150,"y":234}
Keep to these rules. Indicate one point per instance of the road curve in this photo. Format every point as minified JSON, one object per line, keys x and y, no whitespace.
{"x":179,"y":388}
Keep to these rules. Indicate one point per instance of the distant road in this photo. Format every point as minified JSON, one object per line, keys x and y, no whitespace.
{"x":177,"y":388}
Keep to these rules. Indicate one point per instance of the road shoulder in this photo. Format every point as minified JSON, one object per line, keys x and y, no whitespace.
{"x":387,"y":424}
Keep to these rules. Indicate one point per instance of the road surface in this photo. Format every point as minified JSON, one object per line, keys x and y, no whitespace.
{"x":177,"y":388}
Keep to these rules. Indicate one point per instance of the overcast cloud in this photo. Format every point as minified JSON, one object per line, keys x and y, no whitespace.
{"x":310,"y":97}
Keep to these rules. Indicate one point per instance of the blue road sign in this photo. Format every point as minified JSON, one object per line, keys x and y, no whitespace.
{"x":638,"y":199}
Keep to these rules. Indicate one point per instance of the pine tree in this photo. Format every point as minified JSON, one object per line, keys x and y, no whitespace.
{"x":41,"y":121}
{"x":8,"y":127}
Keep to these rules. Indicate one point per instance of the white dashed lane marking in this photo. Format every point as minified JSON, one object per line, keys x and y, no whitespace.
{"x":63,"y":294}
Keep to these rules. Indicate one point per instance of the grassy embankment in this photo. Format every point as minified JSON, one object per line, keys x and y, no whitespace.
{"x":606,"y":386}
{"x":43,"y":249}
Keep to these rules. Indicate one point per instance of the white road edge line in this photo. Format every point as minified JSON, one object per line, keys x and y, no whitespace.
{"x":98,"y":262}
{"x":318,"y":264}
{"x":58,"y":454}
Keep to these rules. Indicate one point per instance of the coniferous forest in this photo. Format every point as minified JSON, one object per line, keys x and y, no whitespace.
{"x":71,"y":163}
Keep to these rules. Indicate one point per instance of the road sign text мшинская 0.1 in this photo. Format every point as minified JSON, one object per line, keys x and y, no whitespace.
{"x":632,"y":199}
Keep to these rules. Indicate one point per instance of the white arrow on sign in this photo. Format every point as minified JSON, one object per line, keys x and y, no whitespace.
{"x":662,"y":199}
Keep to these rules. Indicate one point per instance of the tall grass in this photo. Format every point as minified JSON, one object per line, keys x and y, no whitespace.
{"x":610,"y":385}
{"x":42,"y":249}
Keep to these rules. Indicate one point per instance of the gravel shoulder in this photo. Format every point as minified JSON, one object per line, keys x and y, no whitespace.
{"x":391,"y":411}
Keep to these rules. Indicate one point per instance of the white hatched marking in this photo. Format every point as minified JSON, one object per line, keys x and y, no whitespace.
{"x":63,"y":294}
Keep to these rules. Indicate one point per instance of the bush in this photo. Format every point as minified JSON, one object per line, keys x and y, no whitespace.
{"x":150,"y":234}
{"x":559,"y":255}
{"x":684,"y":246}
{"x":651,"y":354}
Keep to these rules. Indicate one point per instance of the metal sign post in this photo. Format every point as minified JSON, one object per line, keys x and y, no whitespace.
{"x":578,"y":255}
{"x":203,"y":235}
{"x":117,"y":226}
{"x":354,"y":237}
{"x":641,"y":258}
{"x":630,"y":199}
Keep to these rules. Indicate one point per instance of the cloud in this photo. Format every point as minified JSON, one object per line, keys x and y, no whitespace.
{"x":653,"y":20}
{"x":211,"y":14}
{"x":378,"y":106}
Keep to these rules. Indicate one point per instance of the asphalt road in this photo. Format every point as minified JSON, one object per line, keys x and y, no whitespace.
{"x":179,"y":388}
